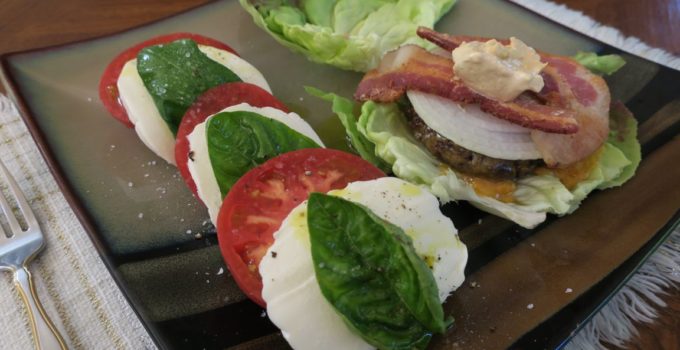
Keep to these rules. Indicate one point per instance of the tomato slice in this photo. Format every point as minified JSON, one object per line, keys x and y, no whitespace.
{"x":108,"y":90}
{"x":257,"y":204}
{"x":209,"y":103}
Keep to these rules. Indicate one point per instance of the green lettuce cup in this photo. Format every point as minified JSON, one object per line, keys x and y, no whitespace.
{"x":348,"y":34}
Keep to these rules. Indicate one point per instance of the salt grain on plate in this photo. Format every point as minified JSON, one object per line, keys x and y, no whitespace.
{"x":130,"y":184}
{"x":568,"y":290}
{"x":220,"y":271}
{"x":530,"y":306}
{"x":140,"y":215}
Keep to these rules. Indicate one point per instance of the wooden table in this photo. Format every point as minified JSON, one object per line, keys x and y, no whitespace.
{"x":26,"y":24}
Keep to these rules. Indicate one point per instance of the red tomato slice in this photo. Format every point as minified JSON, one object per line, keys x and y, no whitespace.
{"x":257,"y":204}
{"x":209,"y":103}
{"x":108,"y":90}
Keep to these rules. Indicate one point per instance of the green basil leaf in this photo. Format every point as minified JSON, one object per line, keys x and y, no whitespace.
{"x":176,"y":73}
{"x":369,"y":271}
{"x":239,"y":141}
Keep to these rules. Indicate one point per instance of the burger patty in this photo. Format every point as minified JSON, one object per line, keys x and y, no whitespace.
{"x":462,"y":159}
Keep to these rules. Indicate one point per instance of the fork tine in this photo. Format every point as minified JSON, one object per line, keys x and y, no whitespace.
{"x":11,"y":219}
{"x":3,"y":235}
{"x":21,"y":201}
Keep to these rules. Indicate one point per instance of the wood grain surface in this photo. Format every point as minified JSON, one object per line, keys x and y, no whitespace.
{"x":28,"y":24}
{"x":656,"y":22}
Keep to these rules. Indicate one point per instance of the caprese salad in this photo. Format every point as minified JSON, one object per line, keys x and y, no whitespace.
{"x":370,"y":262}
{"x":299,"y":226}
{"x":215,"y":149}
{"x":151,"y":85}
{"x":195,"y":103}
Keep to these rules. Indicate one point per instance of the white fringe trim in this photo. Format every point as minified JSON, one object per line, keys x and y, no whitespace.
{"x":636,"y":302}
{"x":585,"y":25}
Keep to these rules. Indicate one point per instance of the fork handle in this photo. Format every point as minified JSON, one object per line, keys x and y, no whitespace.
{"x":45,"y":334}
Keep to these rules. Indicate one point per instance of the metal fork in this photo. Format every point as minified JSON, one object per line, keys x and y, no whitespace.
{"x":17,"y":249}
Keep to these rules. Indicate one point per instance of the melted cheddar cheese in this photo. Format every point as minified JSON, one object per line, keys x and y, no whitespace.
{"x":502,"y":190}
{"x":574,"y":173}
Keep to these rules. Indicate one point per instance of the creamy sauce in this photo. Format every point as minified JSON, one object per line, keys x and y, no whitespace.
{"x":500,"y":72}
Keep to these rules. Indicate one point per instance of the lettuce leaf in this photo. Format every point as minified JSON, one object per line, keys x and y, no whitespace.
{"x":344,"y":109}
{"x":623,"y":135}
{"x":349,"y":34}
{"x":607,"y":64}
{"x":385,"y":127}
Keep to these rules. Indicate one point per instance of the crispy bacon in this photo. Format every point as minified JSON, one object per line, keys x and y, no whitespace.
{"x":589,"y":97}
{"x":573,"y":101}
{"x":413,"y":68}
{"x":449,"y":42}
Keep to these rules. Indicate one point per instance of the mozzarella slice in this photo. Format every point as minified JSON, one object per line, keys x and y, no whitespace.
{"x":142,"y":111}
{"x":201,"y":169}
{"x":294,"y":300}
{"x":246,"y":71}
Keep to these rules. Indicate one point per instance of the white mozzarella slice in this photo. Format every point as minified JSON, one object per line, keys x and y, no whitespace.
{"x":201,"y":168}
{"x":473,"y":129}
{"x":244,"y":70}
{"x":142,"y":111}
{"x":294,"y":300}
{"x":202,"y":173}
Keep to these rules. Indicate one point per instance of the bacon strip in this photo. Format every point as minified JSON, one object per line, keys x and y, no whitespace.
{"x":587,"y":87}
{"x":589,"y":97}
{"x":569,"y":88}
{"x":413,"y":68}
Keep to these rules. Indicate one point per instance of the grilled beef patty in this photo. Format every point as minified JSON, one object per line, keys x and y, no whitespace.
{"x":462,"y":159}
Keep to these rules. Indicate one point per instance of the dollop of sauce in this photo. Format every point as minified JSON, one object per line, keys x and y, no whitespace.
{"x":497,"y":71}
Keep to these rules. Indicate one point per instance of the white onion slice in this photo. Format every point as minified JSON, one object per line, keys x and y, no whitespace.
{"x":473,"y":129}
